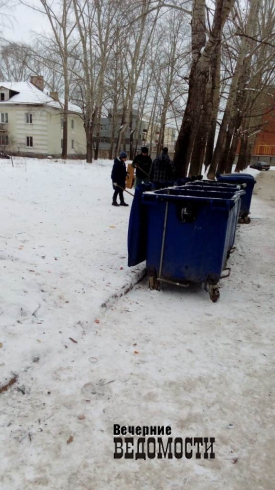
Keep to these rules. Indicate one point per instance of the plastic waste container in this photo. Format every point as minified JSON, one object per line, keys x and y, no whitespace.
{"x":187,"y":236}
{"x":226,"y":191}
{"x":240,"y":179}
{"x":137,"y":227}
{"x":206,"y":186}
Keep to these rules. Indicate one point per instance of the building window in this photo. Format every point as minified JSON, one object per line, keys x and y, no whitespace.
{"x":29,"y":118}
{"x":4,"y":140}
{"x":61,"y":143}
{"x":2,"y":96}
{"x":29,"y":141}
{"x":72,"y":144}
{"x":4,"y":117}
{"x":72,"y":123}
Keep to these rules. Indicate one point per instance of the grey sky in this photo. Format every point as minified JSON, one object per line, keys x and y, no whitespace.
{"x":20,"y":23}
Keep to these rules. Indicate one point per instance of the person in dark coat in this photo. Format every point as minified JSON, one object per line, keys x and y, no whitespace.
{"x":161,"y":169}
{"x":118,"y":177}
{"x":142,"y":163}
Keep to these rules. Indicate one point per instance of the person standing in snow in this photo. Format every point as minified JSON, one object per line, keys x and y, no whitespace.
{"x":161,"y":169}
{"x":142,"y":163}
{"x":118,"y":177}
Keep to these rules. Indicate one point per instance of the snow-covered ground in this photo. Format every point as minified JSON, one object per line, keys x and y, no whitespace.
{"x":87,"y":357}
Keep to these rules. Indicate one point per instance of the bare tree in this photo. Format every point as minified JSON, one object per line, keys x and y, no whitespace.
{"x":136,"y":46}
{"x":201,"y":107}
{"x":260,"y":97}
{"x":170,"y":60}
{"x":5,"y":17}
{"x":62,"y":27}
{"x":18,"y":61}
{"x":240,"y":101}
{"x":97,"y":26}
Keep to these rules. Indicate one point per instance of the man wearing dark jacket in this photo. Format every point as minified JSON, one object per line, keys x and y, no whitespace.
{"x":161,"y":169}
{"x":118,"y":177}
{"x":142,"y":163}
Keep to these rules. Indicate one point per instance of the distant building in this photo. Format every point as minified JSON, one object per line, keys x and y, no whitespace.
{"x":109,"y":131}
{"x":151,"y":133}
{"x":31,"y":121}
{"x":31,"y":124}
{"x":265,"y":141}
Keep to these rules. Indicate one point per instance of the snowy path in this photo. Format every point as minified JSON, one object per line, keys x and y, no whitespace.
{"x":152,"y":358}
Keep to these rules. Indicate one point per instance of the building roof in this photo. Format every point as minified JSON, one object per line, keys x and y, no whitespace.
{"x":29,"y":94}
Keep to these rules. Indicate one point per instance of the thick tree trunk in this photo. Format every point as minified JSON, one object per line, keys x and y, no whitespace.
{"x":184,"y":141}
{"x":65,"y":114}
{"x":97,"y":144}
{"x":89,"y":137}
{"x":113,"y":129}
{"x":217,"y":155}
{"x":97,"y":130}
{"x":234,"y":112}
{"x":210,"y":143}
{"x":241,"y":163}
{"x":65,"y":135}
{"x":131,"y":143}
{"x":232,"y":153}
{"x":202,"y":100}
{"x":122,"y":129}
{"x":213,"y":109}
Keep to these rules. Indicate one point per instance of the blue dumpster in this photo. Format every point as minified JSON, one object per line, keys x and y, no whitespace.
{"x":214,"y":184}
{"x":188,"y":236}
{"x":237,"y":178}
{"x":137,"y":228}
{"x":226,"y":188}
{"x":225,"y":192}
{"x":182,"y":181}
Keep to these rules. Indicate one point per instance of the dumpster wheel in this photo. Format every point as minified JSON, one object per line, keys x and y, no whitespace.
{"x":214,"y":292}
{"x":154,"y":283}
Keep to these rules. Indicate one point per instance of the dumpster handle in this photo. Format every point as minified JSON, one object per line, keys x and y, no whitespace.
{"x":175,"y":283}
{"x":163,"y":238}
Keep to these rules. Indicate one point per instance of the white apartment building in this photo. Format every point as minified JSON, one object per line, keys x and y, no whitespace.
{"x":31,"y":121}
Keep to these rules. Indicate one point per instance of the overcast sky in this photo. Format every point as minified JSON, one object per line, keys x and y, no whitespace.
{"x":20,"y":23}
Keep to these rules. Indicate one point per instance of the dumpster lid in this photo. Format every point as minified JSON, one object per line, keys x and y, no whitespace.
{"x":215,"y":199}
{"x":235,"y":177}
{"x":213,"y":183}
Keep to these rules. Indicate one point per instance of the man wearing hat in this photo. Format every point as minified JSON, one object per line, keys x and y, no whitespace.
{"x":142,"y":163}
{"x":118,"y":177}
